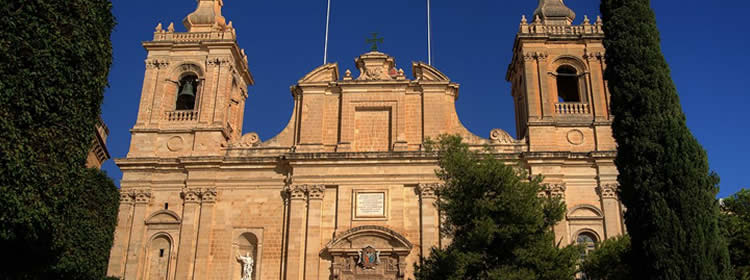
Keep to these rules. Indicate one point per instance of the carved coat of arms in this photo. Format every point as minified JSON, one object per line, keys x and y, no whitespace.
{"x":368,"y":257}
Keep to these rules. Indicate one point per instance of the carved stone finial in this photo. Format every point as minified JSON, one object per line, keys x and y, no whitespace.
{"x":229,"y":25}
{"x":599,"y":20}
{"x":348,"y":75}
{"x":554,"y":12}
{"x":523,"y":20}
{"x":537,"y":19}
{"x":206,"y":17}
{"x":170,"y":28}
{"x":586,"y":20}
{"x":159,"y":28}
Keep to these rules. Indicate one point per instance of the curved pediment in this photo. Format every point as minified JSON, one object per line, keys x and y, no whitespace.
{"x":425,"y":72}
{"x":163,"y":217}
{"x":325,"y":73}
{"x":375,"y":236}
{"x":585,"y":212}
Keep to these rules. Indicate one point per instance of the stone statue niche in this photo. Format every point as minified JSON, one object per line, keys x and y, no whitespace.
{"x":245,"y":256}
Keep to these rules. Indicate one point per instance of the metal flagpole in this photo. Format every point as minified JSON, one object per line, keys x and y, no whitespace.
{"x":328,"y":19}
{"x":429,"y":35}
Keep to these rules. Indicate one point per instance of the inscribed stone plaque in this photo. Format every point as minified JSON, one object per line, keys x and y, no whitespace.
{"x":370,"y":204}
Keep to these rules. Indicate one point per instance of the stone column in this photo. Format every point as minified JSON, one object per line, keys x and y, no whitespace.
{"x":136,"y":248}
{"x":429,"y":221}
{"x":315,"y":195}
{"x":208,"y":200}
{"x":611,"y":209}
{"x":118,"y":254}
{"x":296,"y":232}
{"x":188,"y":233}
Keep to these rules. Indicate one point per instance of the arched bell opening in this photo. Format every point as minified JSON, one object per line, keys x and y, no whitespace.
{"x":187,"y":93}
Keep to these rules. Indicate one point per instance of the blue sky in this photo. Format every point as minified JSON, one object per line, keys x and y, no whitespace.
{"x":705,"y":43}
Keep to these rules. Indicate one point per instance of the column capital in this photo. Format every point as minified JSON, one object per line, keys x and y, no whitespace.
{"x":315,"y":192}
{"x":608,"y":191}
{"x":209,"y":195}
{"x":556,"y":190}
{"x":191,"y":195}
{"x":430,"y":190}
{"x":127,"y":196}
{"x":296,"y":192}
{"x":142,"y":196}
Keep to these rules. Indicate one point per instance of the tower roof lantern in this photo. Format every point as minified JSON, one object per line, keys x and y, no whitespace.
{"x":206,"y":17}
{"x":554,"y":12}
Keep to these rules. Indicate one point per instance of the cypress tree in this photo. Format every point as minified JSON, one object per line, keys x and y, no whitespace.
{"x":665,"y":181}
{"x":54,"y":213}
{"x":500,"y":227}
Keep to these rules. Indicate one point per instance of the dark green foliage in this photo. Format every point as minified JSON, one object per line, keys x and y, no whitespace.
{"x":500,"y":228}
{"x":607,"y":262}
{"x":735,"y":221}
{"x":664,"y":173}
{"x":54,"y":61}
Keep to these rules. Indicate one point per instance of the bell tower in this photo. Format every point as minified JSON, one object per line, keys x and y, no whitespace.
{"x":561,"y":98}
{"x":194,"y":89}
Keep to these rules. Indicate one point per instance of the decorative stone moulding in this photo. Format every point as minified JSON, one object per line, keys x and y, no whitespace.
{"x":575,"y":137}
{"x":428,"y":190}
{"x":142,"y":196}
{"x":175,"y":143}
{"x":248,"y":140}
{"x":608,"y":191}
{"x":501,"y":136}
{"x":553,"y":190}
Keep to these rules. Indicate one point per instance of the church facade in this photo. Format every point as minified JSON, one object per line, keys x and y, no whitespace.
{"x":346,"y":190}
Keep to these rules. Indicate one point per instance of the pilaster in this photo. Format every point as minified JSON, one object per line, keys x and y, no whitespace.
{"x":296,"y":232}
{"x":136,"y":248}
{"x":429,"y":219}
{"x":118,"y":254}
{"x":611,"y":209}
{"x":208,"y":202}
{"x":315,"y":195}
{"x":188,"y":233}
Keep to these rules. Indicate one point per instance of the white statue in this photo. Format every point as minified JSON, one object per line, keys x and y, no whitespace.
{"x":247,"y":266}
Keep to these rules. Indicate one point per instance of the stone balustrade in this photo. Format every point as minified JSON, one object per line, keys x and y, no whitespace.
{"x":181,"y":116}
{"x":572,"y":108}
{"x":193,"y":36}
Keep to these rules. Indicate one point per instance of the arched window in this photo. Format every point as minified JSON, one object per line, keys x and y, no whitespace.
{"x":588,"y":241}
{"x":158,"y":258}
{"x":188,"y":90}
{"x":568,"y":89}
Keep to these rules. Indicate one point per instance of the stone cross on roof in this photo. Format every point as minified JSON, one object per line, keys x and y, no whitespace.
{"x":374,"y":41}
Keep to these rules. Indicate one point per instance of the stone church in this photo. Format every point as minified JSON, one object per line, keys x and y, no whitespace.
{"x":346,"y":190}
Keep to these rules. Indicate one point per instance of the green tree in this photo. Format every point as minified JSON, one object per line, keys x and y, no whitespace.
{"x":672,"y":215}
{"x":607,"y":262}
{"x":499,"y":226}
{"x":735,"y":221}
{"x":54,"y":61}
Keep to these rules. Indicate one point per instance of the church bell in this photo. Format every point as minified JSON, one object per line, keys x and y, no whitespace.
{"x":186,"y":98}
